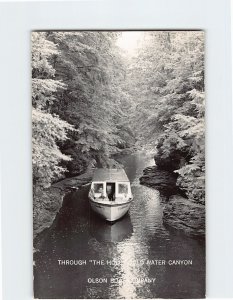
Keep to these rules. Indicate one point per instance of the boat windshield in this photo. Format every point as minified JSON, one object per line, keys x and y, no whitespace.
{"x":98,"y":188}
{"x":123,"y":188}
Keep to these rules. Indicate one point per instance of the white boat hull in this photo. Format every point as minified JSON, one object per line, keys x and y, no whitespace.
{"x":110,"y":212}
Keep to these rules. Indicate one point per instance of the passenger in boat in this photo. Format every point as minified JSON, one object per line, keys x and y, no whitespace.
{"x":101,"y":191}
{"x":110,"y":192}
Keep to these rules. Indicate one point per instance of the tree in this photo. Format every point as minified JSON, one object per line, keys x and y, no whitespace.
{"x":91,"y":66}
{"x":47,"y":128}
{"x":168,"y":78}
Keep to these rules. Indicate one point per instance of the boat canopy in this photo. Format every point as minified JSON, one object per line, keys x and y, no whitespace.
{"x":110,"y":175}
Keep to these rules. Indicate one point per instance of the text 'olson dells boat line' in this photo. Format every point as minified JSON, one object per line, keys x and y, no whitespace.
{"x":110,"y":193}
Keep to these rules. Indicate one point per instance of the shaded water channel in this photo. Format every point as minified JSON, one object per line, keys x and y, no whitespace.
{"x":131,"y":243}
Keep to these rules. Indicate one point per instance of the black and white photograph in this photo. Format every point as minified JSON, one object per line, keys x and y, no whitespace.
{"x":118,"y":159}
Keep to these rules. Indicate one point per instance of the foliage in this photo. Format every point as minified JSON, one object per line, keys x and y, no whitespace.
{"x":94,"y":102}
{"x":168,"y":76}
{"x":47,"y":128}
{"x":77,"y":77}
{"x":109,"y":101}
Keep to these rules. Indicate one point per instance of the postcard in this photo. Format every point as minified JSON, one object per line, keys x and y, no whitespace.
{"x":118,"y":142}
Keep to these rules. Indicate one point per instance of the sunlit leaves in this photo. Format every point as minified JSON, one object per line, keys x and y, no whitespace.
{"x":168,"y":76}
{"x":94,"y":100}
{"x":42,"y":49}
{"x":46,"y":131}
{"x":43,"y":91}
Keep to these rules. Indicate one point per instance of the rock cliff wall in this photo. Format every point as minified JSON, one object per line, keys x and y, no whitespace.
{"x":47,"y":202}
{"x":179,"y":212}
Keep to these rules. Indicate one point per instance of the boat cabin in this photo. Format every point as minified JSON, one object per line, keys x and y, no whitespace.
{"x":111,"y":185}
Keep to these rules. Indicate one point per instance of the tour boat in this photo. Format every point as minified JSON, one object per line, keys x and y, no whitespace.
{"x":110,"y":193}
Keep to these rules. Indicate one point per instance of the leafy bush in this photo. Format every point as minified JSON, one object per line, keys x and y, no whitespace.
{"x":168,"y":76}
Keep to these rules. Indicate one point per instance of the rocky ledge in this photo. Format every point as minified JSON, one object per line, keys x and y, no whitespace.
{"x":162,"y":180}
{"x":179,"y":212}
{"x":186,"y":215}
{"x":47,"y":202}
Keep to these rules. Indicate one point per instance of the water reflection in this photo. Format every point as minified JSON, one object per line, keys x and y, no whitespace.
{"x":77,"y":233}
{"x":102,"y":231}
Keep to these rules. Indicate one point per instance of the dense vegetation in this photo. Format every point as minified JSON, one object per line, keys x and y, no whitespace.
{"x":167,"y":79}
{"x":89,"y":103}
{"x":79,"y":103}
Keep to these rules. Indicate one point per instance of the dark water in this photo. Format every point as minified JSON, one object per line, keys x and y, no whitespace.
{"x":78,"y":234}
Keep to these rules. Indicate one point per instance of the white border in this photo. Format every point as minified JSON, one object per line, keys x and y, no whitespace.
{"x":16,"y":21}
